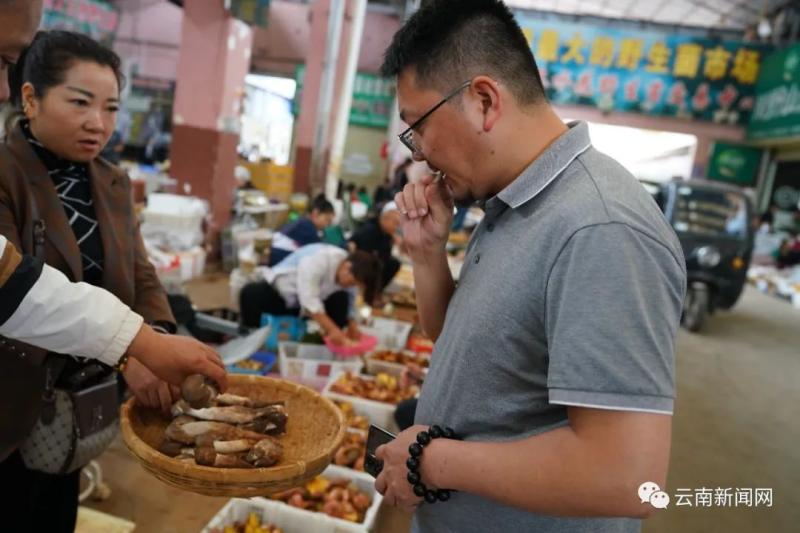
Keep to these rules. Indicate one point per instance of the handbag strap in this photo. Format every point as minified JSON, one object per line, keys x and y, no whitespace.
{"x":53,"y":366}
{"x":38,"y":229}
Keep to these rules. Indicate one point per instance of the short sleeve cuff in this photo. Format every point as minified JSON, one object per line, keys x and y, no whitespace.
{"x":612,"y":401}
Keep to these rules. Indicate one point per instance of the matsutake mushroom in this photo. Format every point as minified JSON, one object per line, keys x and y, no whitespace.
{"x":198,"y":391}
{"x":185,"y":429}
{"x":235,"y":414}
{"x":209,"y":457}
{"x":266,"y":452}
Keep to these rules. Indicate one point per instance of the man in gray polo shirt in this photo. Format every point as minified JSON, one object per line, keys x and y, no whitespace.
{"x":554,"y":356}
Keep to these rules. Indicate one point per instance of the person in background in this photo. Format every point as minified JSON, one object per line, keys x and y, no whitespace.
{"x":303,"y":231}
{"x":318,"y":280}
{"x":113,"y":149}
{"x":350,"y":192}
{"x":383,"y":195}
{"x":378,"y":236}
{"x":401,"y":176}
{"x":158,"y":146}
{"x":364,"y":198}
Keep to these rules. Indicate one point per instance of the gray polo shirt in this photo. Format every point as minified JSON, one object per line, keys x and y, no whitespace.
{"x":570,"y":294}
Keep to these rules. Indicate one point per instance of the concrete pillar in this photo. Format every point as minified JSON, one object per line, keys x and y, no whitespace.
{"x":309,"y":100}
{"x":214,"y":60}
{"x":344,"y":98}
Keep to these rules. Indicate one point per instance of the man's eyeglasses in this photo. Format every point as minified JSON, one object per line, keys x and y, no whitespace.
{"x":407,"y":137}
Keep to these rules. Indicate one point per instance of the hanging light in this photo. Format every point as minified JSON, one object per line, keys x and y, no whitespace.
{"x":764,"y":29}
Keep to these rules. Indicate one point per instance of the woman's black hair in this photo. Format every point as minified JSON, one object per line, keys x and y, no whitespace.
{"x":367,"y":269}
{"x":51,"y":54}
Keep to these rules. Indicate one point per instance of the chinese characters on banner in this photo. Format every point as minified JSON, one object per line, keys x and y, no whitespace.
{"x":96,"y":19}
{"x":777,"y":111}
{"x":650,"y":72}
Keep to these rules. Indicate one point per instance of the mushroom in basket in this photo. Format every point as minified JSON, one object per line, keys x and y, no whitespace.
{"x":224,"y":430}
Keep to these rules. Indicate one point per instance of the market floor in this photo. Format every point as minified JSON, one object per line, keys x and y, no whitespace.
{"x":737,"y":425}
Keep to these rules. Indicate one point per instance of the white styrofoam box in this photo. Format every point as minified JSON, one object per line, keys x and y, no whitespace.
{"x":380,"y":413}
{"x":313,"y":364}
{"x":302,"y":521}
{"x":174,"y":222}
{"x":176,"y":204}
{"x":391,"y":334}
{"x":238,"y":509}
{"x":192,"y":263}
{"x":355,"y":431}
{"x":376,"y":366}
{"x":359,"y":410}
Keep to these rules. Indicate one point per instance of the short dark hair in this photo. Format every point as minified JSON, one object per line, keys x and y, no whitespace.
{"x":367,"y":269}
{"x":451,"y":41}
{"x":322,"y":204}
{"x":47,"y":59}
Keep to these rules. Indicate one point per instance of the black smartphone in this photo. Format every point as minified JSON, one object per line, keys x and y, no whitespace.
{"x":375,"y":438}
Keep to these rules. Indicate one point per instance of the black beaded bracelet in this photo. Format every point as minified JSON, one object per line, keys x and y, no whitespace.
{"x":415,"y":450}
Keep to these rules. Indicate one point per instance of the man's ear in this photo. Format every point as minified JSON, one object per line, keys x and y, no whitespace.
{"x":489,"y":94}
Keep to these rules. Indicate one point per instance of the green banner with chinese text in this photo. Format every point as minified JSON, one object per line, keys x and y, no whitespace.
{"x":373,"y":98}
{"x":777,"y":110}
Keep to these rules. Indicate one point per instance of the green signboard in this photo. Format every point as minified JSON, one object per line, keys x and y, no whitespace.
{"x":99,"y":20}
{"x":647,"y":70}
{"x":734,"y":163}
{"x":777,"y":111}
{"x":373,"y":98}
{"x":254,"y":12}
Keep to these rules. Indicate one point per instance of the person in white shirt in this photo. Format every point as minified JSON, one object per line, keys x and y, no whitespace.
{"x":318,"y":280}
{"x":40,"y":306}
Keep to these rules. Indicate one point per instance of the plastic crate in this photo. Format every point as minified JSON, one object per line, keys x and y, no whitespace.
{"x":312,"y":364}
{"x":381,"y":414}
{"x":391,"y":334}
{"x":295,"y":520}
{"x":313,"y":522}
{"x":377,"y":366}
{"x":282,"y":328}
{"x":267,"y":359}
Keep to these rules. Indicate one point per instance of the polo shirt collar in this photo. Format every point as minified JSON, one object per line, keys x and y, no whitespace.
{"x":547,"y":167}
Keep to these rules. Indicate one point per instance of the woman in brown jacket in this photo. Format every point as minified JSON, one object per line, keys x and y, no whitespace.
{"x":56,"y":191}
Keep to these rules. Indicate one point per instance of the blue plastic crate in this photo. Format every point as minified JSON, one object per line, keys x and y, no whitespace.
{"x":267,"y":359}
{"x":282,"y":328}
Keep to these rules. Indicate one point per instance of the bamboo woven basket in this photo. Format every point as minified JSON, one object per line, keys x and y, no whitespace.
{"x":314,"y":431}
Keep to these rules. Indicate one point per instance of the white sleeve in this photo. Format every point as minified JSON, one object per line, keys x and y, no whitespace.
{"x":73,"y":318}
{"x":310,"y":273}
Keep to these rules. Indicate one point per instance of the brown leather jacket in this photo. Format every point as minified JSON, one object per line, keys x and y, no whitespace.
{"x":128,"y":273}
